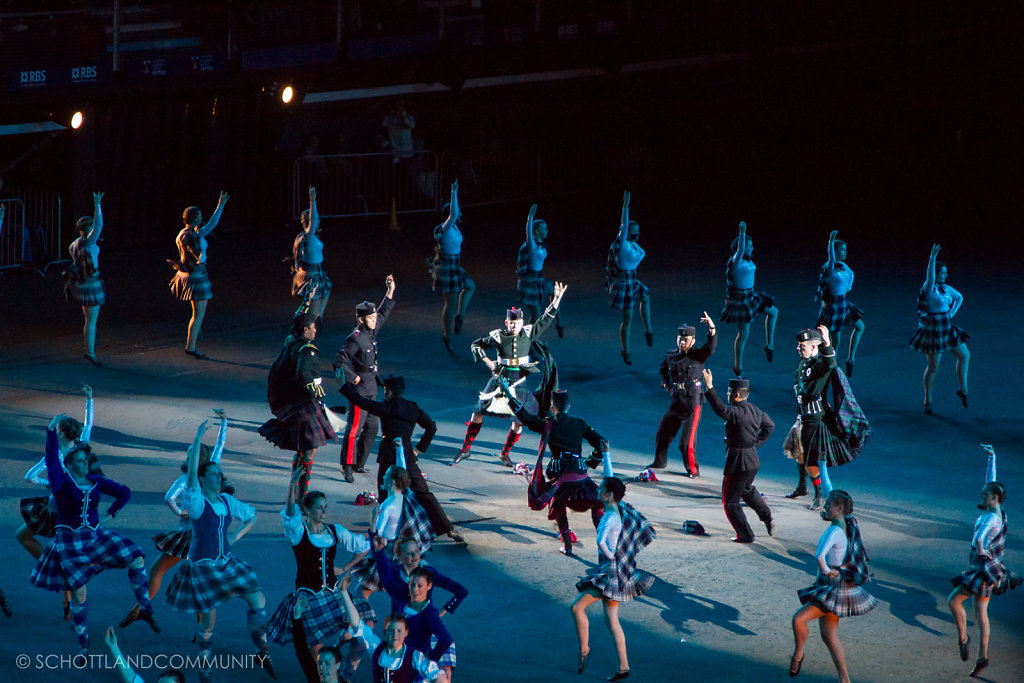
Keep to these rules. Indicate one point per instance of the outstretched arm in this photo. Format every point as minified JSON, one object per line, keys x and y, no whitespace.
{"x":193,"y":456}
{"x":453,"y":209}
{"x":831,"y":251}
{"x":97,"y":219}
{"x":529,"y":229}
{"x":624,"y":220}
{"x":222,"y":435}
{"x":990,"y":470}
{"x":215,"y":218}
{"x":128,"y":674}
{"x":87,"y":427}
{"x":929,"y":273}
{"x":314,"y":215}
{"x":741,"y":243}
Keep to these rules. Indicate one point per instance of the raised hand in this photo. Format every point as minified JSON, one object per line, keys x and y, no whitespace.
{"x":97,"y":197}
{"x":224,"y":196}
{"x":312,"y":193}
{"x":87,"y":390}
{"x":743,"y":227}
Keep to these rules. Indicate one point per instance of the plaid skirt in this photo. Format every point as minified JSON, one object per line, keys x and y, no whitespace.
{"x":937,"y":333}
{"x":605,"y":578}
{"x":975,"y":582}
{"x":301,"y":426}
{"x":88,"y":293}
{"x":627,"y":290}
{"x":578,"y":496}
{"x":200,"y":587}
{"x":839,"y":597}
{"x":837,"y":312}
{"x":743,"y":304}
{"x":194,"y":286}
{"x":532,"y":289}
{"x":39,"y":516}
{"x":820,"y":442}
{"x":174,"y":543}
{"x":76,"y":555}
{"x":448,"y":658}
{"x":323,"y":617}
{"x":308,"y":275}
{"x":448,"y":275}
{"x":364,"y":573}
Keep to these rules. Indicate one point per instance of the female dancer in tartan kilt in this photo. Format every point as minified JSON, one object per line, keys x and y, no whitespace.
{"x":84,"y":285}
{"x":191,"y":283}
{"x":532,"y":288}
{"x":837,"y":590}
{"x":936,"y":305}
{"x":987,"y":575}
{"x":623,"y":532}
{"x":834,"y":282}
{"x":309,"y":282}
{"x":211,"y":575}
{"x":447,"y":274}
{"x":742,"y":303}
{"x":81,"y":547}
{"x":314,"y":614}
{"x":624,"y":290}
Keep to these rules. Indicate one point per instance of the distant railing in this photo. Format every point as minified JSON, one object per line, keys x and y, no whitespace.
{"x":39,"y":210}
{"x":12,"y":233}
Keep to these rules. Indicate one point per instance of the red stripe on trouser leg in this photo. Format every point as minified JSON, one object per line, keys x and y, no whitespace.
{"x":353,"y":435}
{"x":691,"y":456}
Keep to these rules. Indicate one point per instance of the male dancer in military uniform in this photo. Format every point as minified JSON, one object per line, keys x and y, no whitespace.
{"x":513,"y":345}
{"x":746,"y":428}
{"x":571,"y":488}
{"x":680,"y":376}
{"x":294,"y":391}
{"x":398,"y":418}
{"x":357,"y":360}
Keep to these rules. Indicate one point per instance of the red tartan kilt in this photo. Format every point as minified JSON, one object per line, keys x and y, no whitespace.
{"x":578,"y":496}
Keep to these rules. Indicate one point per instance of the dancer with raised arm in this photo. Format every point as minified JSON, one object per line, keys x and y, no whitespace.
{"x":518,"y":354}
{"x":82,"y":547}
{"x":742,"y":303}
{"x":680,"y":377}
{"x":532,"y":288}
{"x":834,"y":282}
{"x":447,"y":274}
{"x":838,"y":590}
{"x":174,"y":545}
{"x":191,"y":282}
{"x":82,"y":280}
{"x":309,"y":282}
{"x":622,"y":533}
{"x":314,"y":614}
{"x":987,"y":575}
{"x":936,"y":305}
{"x":211,"y":575}
{"x":624,"y":290}
{"x":356,"y":362}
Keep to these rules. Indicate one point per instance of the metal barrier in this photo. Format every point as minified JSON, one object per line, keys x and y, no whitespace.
{"x":366,"y":184}
{"x":38,"y":208}
{"x":12,"y":234}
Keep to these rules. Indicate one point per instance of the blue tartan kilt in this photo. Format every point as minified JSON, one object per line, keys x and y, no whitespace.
{"x":200,"y":587}
{"x":822,"y":443}
{"x":837,"y":312}
{"x":532,"y":289}
{"x":88,"y":293}
{"x":937,"y":333}
{"x":308,"y":275}
{"x":627,"y":291}
{"x":839,"y":597}
{"x":448,"y":657}
{"x":76,"y":555}
{"x":174,"y":543}
{"x":741,"y":305}
{"x":323,"y":617}
{"x":448,"y":274}
{"x":194,"y":286}
{"x":301,"y":426}
{"x":365,"y":574}
{"x":604,"y":578}
{"x":38,"y":515}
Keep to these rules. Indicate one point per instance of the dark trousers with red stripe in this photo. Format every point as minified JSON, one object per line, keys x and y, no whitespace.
{"x":739,"y":486}
{"x":359,"y":436}
{"x":678,"y":415}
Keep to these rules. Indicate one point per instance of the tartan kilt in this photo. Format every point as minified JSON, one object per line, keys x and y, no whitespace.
{"x":605,"y":579}
{"x":627,"y":291}
{"x":532,"y":288}
{"x":174,"y":543}
{"x":986,"y":577}
{"x":820,"y":441}
{"x":448,"y":275}
{"x":837,"y":312}
{"x":76,"y":555}
{"x":741,"y":305}
{"x":447,"y":657}
{"x":38,"y":515}
{"x":578,"y":496}
{"x":937,"y":333}
{"x":88,"y":293}
{"x":839,"y":597}
{"x":194,"y":286}
{"x":306,"y":276}
{"x":301,"y":426}
{"x":365,"y":573}
{"x":200,"y":587}
{"x":323,"y":619}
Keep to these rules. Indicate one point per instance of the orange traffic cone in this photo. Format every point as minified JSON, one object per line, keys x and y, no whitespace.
{"x":393,"y":220}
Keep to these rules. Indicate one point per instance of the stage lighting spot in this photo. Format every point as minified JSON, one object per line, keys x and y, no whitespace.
{"x":287,"y":93}
{"x":76,"y":120}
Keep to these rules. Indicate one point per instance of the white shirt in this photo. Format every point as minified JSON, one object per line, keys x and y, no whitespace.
{"x":293,"y":528}
{"x":388,"y":516}
{"x":192,"y":499}
{"x":986,"y":528}
{"x":831,"y":548}
{"x":427,"y":669}
{"x":608,"y":532}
